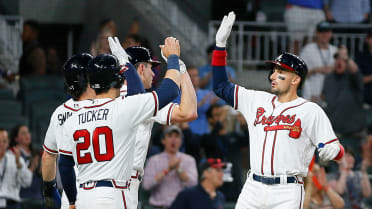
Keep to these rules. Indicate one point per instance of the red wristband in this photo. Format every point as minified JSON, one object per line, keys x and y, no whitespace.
{"x":340,"y":153}
{"x":219,"y":58}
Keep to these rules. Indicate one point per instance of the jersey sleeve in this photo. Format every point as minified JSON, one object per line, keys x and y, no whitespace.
{"x":164,"y":115}
{"x":244,"y":99}
{"x":50,"y":141}
{"x":66,"y":143}
{"x":320,"y":128}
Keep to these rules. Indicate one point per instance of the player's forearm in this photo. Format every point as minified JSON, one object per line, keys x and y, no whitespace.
{"x":221,"y":84}
{"x":187,"y":110}
{"x":48,"y":166}
{"x":173,"y":71}
{"x":134,"y":83}
{"x":66,"y":168}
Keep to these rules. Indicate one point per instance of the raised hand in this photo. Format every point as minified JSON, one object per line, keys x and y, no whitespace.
{"x":118,"y":51}
{"x":171,"y":46}
{"x":224,"y":30}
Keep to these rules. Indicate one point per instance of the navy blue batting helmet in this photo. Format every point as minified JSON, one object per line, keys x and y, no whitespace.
{"x":75,"y":73}
{"x":104,"y":72}
{"x":289,"y":62}
{"x":140,"y":54}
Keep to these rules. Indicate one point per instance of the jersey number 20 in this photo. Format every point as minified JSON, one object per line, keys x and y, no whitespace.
{"x":85,"y":144}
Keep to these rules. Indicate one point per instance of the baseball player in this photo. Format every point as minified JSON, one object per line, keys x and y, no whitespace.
{"x":172,"y":113}
{"x":284,"y":128}
{"x":103,"y":133}
{"x":77,"y":86}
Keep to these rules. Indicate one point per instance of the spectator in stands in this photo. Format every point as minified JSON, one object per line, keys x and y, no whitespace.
{"x":205,"y":72}
{"x":222,"y":143}
{"x":214,"y":143}
{"x":13,"y":174}
{"x":318,"y":194}
{"x":21,"y":139}
{"x":205,"y":195}
{"x":364,"y":61}
{"x":301,"y":17}
{"x":205,"y":98}
{"x":168,"y":173}
{"x":343,"y":95}
{"x":33,"y":59}
{"x":54,"y":64}
{"x":345,"y":11}
{"x":319,"y":57}
{"x":352,"y":184}
{"x":107,"y":28}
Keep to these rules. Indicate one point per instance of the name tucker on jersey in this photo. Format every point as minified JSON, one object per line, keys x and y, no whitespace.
{"x":93,"y":115}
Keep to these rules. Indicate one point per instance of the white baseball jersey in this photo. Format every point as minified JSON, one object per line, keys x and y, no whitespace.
{"x":143,"y":134}
{"x":283,"y":136}
{"x":53,"y":135}
{"x":57,"y":120}
{"x":101,"y":137}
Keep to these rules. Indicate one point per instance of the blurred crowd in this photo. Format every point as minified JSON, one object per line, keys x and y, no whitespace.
{"x":213,"y":149}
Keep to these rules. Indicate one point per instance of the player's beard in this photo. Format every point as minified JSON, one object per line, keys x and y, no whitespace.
{"x":279,"y":92}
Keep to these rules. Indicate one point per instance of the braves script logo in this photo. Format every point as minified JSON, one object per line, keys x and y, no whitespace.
{"x":294,"y":130}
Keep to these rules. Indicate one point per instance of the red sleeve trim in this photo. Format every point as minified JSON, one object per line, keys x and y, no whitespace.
{"x":236,"y":96}
{"x":49,"y":150}
{"x":156,"y":102}
{"x":123,"y":69}
{"x":65,"y":152}
{"x":219,"y":58}
{"x":341,"y":153}
{"x":333,"y":140}
{"x":169,"y":114}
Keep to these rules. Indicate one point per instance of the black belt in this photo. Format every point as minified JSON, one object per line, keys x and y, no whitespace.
{"x":274,"y":180}
{"x":10,"y":202}
{"x":104,"y":184}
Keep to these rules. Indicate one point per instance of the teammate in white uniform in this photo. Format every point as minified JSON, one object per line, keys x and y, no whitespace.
{"x":104,"y":133}
{"x":77,"y":86}
{"x":172,"y":113}
{"x":284,"y":129}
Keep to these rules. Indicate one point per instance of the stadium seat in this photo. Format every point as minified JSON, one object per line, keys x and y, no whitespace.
{"x":8,"y":122}
{"x":6,"y":94}
{"x":42,"y":82}
{"x":42,"y":111}
{"x":39,"y":96}
{"x":10,"y":107}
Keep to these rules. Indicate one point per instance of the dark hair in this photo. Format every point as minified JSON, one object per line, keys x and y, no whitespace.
{"x":14,"y":133}
{"x":144,"y":42}
{"x":33,"y":24}
{"x":210,"y":110}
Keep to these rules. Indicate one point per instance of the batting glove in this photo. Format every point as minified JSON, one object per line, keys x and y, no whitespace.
{"x":51,"y":195}
{"x":329,"y":151}
{"x":182,"y":64}
{"x":118,"y":51}
{"x":224,"y":30}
